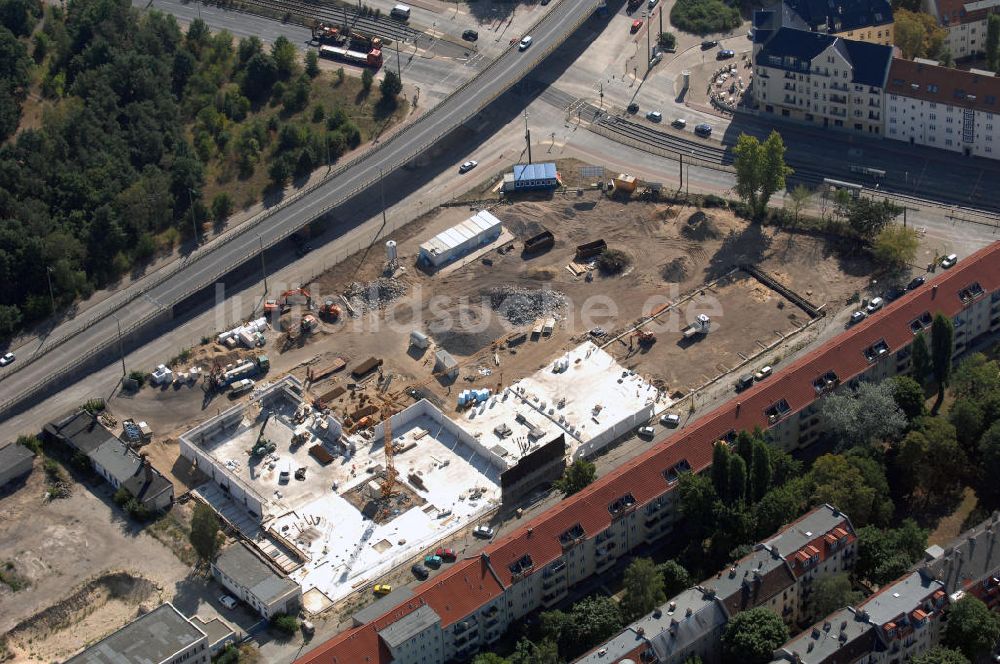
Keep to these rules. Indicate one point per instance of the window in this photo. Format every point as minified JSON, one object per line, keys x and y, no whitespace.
{"x":931,"y":87}
{"x":989,"y":127}
{"x":932,"y":116}
{"x":947,"y":141}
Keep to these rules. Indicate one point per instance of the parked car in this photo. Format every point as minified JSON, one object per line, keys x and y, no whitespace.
{"x":709,"y":43}
{"x":725,"y":54}
{"x":228,"y":601}
{"x":743,"y":382}
{"x":308,"y":629}
{"x":468,"y":166}
{"x":433,"y":561}
{"x":447,"y":555}
{"x":633,"y":108}
{"x":483,"y":531}
{"x":857,"y":317}
{"x":636,"y":24}
{"x":670,"y":420}
{"x":895,"y":294}
{"x":382,"y":589}
{"x":680,"y":123}
{"x":646,"y":432}
{"x":873,"y":306}
{"x":949,"y":261}
{"x":7,"y":358}
{"x":654,"y":116}
{"x":470,"y":35}
{"x":420,"y":571}
{"x":915,"y":283}
{"x":763,"y":372}
{"x":653,"y":3}
{"x":703,"y":129}
{"x":525,"y":43}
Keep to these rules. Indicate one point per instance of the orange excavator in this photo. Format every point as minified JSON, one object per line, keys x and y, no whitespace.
{"x":282,"y":304}
{"x":330,"y":310}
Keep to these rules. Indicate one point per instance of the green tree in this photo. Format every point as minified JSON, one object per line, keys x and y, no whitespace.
{"x":391,"y":86}
{"x":798,"y":198}
{"x":720,"y":468}
{"x":760,"y":170}
{"x":737,"y":480}
{"x":862,"y":416}
{"x":868,"y":217}
{"x":312,"y":63}
{"x":642,"y":589}
{"x":18,"y":16}
{"x":285,"y":623}
{"x":667,"y":40}
{"x":918,"y":34}
{"x":885,"y":554}
{"x":594,"y":620}
{"x":751,"y":637}
{"x":205,"y":536}
{"x":260,"y":77}
{"x":895,"y":247}
{"x":853,"y":484}
{"x":967,"y":418}
{"x":489,"y":658}
{"x":921,"y":358}
{"x":675,"y":577}
{"x":993,"y":42}
{"x":526,"y":652}
{"x":760,"y":471}
{"x":697,"y":502}
{"x":909,"y":396}
{"x":283,"y":52}
{"x":830,"y":593}
{"x":222,"y":207}
{"x":976,"y":378}
{"x":972,"y":628}
{"x":577,"y":476}
{"x":779,"y":506}
{"x":940,"y":655}
{"x":988,"y":469}
{"x":942,"y":349}
{"x":367,"y":78}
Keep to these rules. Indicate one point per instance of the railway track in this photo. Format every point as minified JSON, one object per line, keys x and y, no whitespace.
{"x":326,"y":12}
{"x":666,"y":142}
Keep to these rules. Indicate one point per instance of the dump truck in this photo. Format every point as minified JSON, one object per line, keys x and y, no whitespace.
{"x":539,"y":242}
{"x":700,"y":326}
{"x":257,"y":366}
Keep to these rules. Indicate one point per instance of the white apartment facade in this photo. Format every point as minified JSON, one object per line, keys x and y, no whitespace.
{"x":965,"y":23}
{"x":944,"y":108}
{"x":823,"y":80}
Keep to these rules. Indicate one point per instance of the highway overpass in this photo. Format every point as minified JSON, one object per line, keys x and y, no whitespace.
{"x":152,"y":300}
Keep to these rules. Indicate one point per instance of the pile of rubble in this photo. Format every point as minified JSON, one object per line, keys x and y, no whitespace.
{"x":521,"y":305}
{"x":374,"y":295}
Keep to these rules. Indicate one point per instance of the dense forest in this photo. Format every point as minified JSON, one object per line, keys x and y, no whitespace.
{"x":122,"y":134}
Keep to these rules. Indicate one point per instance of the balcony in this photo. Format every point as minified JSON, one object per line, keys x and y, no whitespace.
{"x":826,"y":383}
{"x":777,"y":411}
{"x":838,"y":112}
{"x":554,"y":569}
{"x":970,"y":293}
{"x":572,"y":537}
{"x":622,"y":505}
{"x":877,"y":350}
{"x":790,"y":86}
{"x":839,"y":86}
{"x":838,"y":99}
{"x":872,"y":115}
{"x":790,"y":100}
{"x":550,"y":598}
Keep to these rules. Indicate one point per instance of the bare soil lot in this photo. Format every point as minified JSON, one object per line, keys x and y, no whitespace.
{"x":87,"y":570}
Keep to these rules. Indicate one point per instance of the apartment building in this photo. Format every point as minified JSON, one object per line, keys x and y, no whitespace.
{"x":534,"y":566}
{"x":970,"y":565}
{"x":162,"y":636}
{"x":900,"y":621}
{"x":777,"y":575}
{"x":861,"y":20}
{"x":821,"y":79}
{"x":965,"y":22}
{"x":927,"y":104}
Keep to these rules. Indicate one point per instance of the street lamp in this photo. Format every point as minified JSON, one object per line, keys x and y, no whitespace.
{"x":194,"y":221}
{"x":263,"y":269}
{"x":52,"y":297}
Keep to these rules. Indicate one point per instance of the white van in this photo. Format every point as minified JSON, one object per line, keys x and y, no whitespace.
{"x":400,"y":12}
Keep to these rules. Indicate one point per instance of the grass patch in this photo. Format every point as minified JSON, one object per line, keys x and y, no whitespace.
{"x":702,"y":17}
{"x":173,"y":534}
{"x":10,"y":578}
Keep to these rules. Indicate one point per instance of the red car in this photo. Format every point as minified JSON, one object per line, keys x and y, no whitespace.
{"x":446,"y":554}
{"x":636,"y":24}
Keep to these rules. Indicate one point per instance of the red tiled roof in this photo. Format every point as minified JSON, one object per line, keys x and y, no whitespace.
{"x":943,"y":85}
{"x":953,"y":12}
{"x":643,"y":476}
{"x":461,"y":590}
{"x":361,"y":645}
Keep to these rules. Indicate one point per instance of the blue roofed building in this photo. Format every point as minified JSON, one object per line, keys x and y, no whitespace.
{"x":820,"y":79}
{"x":527,"y":177}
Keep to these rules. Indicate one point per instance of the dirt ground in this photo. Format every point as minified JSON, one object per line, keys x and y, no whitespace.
{"x":673,"y":252}
{"x":83,"y":564}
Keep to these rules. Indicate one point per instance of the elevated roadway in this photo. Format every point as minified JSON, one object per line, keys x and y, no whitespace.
{"x":152,"y":301}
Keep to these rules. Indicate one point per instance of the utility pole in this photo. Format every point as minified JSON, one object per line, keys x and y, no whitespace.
{"x":399,"y":69}
{"x":121,"y":348}
{"x":527,"y":135}
{"x":381,"y":193}
{"x":649,"y":50}
{"x":661,"y":28}
{"x":194,"y":222}
{"x":52,"y":297}
{"x":681,"y":171}
{"x":263,"y":268}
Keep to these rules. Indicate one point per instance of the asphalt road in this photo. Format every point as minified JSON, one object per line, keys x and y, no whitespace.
{"x":214,"y":260}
